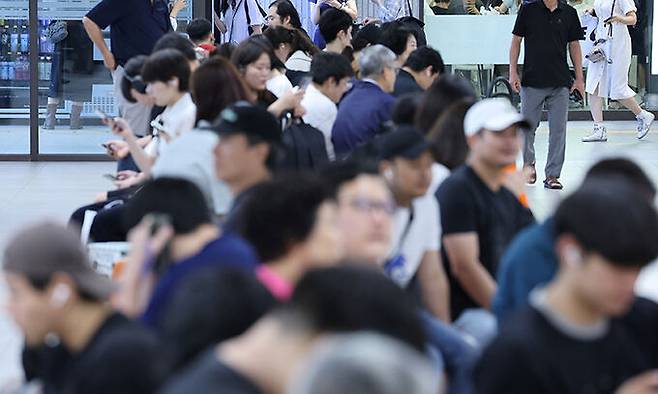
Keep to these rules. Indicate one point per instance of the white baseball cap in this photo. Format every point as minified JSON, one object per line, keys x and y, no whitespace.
{"x":495,"y":114}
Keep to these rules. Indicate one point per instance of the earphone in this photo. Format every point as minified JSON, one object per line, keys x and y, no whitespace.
{"x":388,"y":174}
{"x":572,"y":255}
{"x":60,"y":296}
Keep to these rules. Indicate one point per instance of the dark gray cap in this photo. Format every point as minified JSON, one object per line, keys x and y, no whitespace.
{"x":41,"y":250}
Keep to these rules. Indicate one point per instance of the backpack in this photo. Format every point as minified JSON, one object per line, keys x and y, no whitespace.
{"x":304,"y":146}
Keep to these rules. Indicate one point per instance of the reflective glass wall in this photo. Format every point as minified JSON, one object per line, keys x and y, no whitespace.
{"x":51,"y":109}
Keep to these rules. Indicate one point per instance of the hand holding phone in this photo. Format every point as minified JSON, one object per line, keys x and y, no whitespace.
{"x":111,"y":177}
{"x":105,"y":118}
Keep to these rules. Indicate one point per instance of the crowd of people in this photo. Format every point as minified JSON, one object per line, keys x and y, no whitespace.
{"x":346,"y":220}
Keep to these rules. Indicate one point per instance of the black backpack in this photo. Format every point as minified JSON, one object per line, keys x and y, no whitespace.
{"x":304,"y":147}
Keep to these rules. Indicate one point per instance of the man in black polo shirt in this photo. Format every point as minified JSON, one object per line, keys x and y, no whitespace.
{"x":480,"y":216}
{"x":547,"y":27}
{"x":135,"y":27}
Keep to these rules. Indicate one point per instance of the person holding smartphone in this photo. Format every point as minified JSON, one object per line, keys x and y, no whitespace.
{"x":609,"y":78}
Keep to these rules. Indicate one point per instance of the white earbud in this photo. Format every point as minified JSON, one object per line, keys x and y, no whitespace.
{"x":61,"y":294}
{"x":388,"y":174}
{"x":572,"y":255}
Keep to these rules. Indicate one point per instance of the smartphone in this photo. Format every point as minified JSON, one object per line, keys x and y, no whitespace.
{"x":607,"y":20}
{"x":162,"y":261}
{"x":111,"y":177}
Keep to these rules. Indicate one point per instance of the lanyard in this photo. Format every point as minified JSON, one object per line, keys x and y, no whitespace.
{"x":405,"y":232}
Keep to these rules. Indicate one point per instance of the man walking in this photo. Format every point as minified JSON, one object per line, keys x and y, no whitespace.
{"x":547,"y":27}
{"x":135,"y":27}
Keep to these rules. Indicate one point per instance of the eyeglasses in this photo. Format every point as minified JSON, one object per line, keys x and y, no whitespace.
{"x":370,"y":206}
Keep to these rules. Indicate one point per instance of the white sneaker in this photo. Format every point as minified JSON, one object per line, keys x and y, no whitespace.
{"x":599,"y":134}
{"x":644,"y":120}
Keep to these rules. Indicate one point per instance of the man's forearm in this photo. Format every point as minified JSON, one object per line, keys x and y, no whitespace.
{"x":95,"y":34}
{"x":576,"y":58}
{"x":477,"y":282}
{"x":434,"y":286}
{"x":514,"y":52}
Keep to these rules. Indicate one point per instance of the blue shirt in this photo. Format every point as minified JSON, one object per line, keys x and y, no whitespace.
{"x":529,"y":262}
{"x":361,"y":115}
{"x":225,"y":251}
{"x":135,"y":25}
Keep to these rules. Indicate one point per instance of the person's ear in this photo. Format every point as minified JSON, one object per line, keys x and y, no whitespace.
{"x":60,"y":290}
{"x":569,"y":251}
{"x":386,"y":169}
{"x":174,"y":82}
{"x":286,"y":20}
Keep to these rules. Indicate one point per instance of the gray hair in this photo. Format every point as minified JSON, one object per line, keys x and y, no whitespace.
{"x":366,"y":363}
{"x":374,"y":59}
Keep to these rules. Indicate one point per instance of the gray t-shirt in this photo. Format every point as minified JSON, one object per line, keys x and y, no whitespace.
{"x":190,"y":157}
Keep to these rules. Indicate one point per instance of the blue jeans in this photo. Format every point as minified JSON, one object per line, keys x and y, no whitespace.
{"x":458,"y":353}
{"x":479,"y":324}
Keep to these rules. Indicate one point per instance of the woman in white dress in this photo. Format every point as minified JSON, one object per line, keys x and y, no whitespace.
{"x":610,"y":78}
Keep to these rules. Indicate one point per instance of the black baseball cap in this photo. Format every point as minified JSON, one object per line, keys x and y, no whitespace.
{"x":406,"y":142}
{"x":246,"y":118}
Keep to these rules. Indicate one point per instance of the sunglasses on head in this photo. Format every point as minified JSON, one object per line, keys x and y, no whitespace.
{"x":137,"y":83}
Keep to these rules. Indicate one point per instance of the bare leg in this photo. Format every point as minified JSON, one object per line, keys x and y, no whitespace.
{"x":632,"y":105}
{"x":596,"y":108}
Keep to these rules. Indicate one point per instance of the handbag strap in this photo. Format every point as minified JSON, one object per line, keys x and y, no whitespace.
{"x":612,"y":12}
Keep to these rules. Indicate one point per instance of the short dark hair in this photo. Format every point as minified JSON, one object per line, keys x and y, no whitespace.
{"x":447,"y":139}
{"x":215,"y":85}
{"x":340,"y":172}
{"x":166,"y":64}
{"x":366,"y":35}
{"x":405,"y":108}
{"x":174,"y":40}
{"x":285,"y":217}
{"x":394,"y":36}
{"x":350,"y":298}
{"x":441,"y":94}
{"x":332,"y":22}
{"x":285,"y":8}
{"x":198,"y":30}
{"x":178,"y":198}
{"x":619,"y":166}
{"x":424,"y":57}
{"x":327,"y":65}
{"x":591,"y":215}
{"x":132,"y":69}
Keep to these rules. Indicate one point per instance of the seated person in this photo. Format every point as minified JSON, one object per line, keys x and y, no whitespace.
{"x":367,"y":106}
{"x":399,"y":39}
{"x":422,"y":68}
{"x":585,"y":330}
{"x":325,"y":301}
{"x":189,"y":242}
{"x":200,"y":33}
{"x":336,"y":28}
{"x":530,"y":261}
{"x":53,"y":290}
{"x":330,"y":73}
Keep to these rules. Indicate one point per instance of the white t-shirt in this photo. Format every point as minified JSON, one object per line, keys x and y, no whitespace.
{"x":439,"y":174}
{"x":412,"y":240}
{"x":191,"y":157}
{"x":235,"y":20}
{"x":321,"y":113}
{"x":278,"y":85}
{"x":176,"y":120}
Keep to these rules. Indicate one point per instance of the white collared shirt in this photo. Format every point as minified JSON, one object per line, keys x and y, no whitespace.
{"x":321,"y":113}
{"x":176,"y":119}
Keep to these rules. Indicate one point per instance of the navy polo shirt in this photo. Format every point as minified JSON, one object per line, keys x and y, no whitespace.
{"x":135,"y":25}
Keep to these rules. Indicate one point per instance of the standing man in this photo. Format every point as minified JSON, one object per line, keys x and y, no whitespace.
{"x":135,"y":26}
{"x":547,"y":27}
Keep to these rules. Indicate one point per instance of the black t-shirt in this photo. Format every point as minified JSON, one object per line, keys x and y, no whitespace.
{"x":545,"y":38}
{"x":210,"y":307}
{"x":468,"y":205}
{"x":135,"y":25}
{"x":209,"y":375}
{"x":532,"y":356}
{"x":122,"y":357}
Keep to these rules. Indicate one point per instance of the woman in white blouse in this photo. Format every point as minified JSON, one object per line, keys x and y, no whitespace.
{"x":608,"y":78}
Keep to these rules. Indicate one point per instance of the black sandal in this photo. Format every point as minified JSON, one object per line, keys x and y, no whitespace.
{"x":552,"y":183}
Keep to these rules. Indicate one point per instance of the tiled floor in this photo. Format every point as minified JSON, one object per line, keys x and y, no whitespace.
{"x":33,"y":191}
